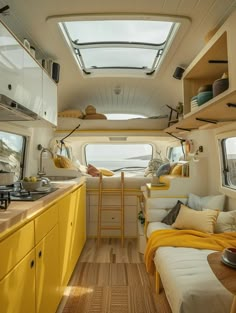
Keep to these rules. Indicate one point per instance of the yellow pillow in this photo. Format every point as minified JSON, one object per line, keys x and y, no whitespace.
{"x":105,"y":172}
{"x":57,"y":162}
{"x":203,"y":221}
{"x":66,"y":163}
{"x":177,"y":170}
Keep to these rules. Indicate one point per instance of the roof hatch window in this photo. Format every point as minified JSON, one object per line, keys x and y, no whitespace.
{"x":112,"y":44}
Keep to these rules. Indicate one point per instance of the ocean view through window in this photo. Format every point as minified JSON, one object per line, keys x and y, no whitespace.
{"x":117,"y":157}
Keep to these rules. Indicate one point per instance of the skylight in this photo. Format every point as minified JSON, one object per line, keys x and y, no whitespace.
{"x":124,"y":46}
{"x":123,"y":116}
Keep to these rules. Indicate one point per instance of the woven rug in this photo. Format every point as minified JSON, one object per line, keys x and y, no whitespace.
{"x":113,"y":288}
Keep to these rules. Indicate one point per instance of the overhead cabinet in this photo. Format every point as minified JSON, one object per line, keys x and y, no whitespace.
{"x":23,"y":80}
{"x":217,"y":58}
{"x":11,"y":66}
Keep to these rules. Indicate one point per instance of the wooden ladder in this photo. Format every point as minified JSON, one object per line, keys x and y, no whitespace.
{"x":112,"y":208}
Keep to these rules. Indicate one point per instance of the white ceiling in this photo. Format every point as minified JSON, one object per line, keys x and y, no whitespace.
{"x":33,"y":20}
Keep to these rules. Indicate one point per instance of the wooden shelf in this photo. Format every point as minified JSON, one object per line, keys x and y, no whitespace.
{"x":217,"y":111}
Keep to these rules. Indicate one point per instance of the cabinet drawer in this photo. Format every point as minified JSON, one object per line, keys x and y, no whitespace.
{"x":45,"y":222}
{"x":15,"y":247}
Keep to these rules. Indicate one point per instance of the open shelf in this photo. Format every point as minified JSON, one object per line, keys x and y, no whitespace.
{"x":222,"y":108}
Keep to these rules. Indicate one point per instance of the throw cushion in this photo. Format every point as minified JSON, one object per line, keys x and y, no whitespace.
{"x":93,"y":171}
{"x":226,"y":222}
{"x":177,"y":170}
{"x":203,"y":221}
{"x":170,"y":218}
{"x":106,"y":172}
{"x":209,"y":202}
{"x":66,"y":163}
{"x":57,"y":162}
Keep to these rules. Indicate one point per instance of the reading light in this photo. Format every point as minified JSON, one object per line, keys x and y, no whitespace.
{"x":178,"y":73}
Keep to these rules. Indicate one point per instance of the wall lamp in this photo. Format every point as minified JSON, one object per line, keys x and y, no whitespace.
{"x":178,"y":73}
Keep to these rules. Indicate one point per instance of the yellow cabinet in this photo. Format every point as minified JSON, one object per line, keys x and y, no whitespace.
{"x":66,"y":220}
{"x":15,"y":247}
{"x":72,"y":231}
{"x":47,"y":261}
{"x":47,"y":273}
{"x":79,"y":231}
{"x":39,"y":258}
{"x":17,"y":288}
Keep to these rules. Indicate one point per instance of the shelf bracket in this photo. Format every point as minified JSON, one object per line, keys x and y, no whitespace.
{"x":187,"y":129}
{"x":180,"y":139}
{"x":206,"y":120}
{"x":217,"y":61}
{"x":231,"y":105}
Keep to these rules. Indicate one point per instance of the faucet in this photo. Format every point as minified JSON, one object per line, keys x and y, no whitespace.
{"x":41,"y":171}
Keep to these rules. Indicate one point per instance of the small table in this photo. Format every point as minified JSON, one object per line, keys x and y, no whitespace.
{"x":225,"y":274}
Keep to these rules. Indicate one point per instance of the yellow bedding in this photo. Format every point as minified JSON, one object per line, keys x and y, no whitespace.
{"x":186,"y":238}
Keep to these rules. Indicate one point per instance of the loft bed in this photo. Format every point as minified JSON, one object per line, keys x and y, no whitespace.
{"x":69,"y":123}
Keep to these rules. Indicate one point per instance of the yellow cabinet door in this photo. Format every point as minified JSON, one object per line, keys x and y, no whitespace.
{"x":47,"y":273}
{"x":79,"y":231}
{"x":82,"y":217}
{"x":66,"y":222}
{"x":15,"y":247}
{"x":17,"y":289}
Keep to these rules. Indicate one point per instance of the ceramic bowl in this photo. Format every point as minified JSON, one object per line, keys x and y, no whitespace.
{"x":31,"y":186}
{"x":204,"y":96}
{"x":220,"y":85}
{"x":230,"y":254}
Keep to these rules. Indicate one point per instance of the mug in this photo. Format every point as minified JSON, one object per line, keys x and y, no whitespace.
{"x":230,"y":254}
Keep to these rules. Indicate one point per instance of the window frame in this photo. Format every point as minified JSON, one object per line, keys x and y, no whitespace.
{"x":225,"y":171}
{"x":23,"y":154}
{"x":111,"y":144}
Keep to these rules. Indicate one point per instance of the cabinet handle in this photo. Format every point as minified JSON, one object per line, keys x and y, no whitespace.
{"x":71,"y":223}
{"x":32,"y":264}
{"x":40,"y":254}
{"x":45,"y":113}
{"x":9,"y":86}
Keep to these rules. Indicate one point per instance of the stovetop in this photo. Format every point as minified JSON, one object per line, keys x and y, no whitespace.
{"x":8,"y":194}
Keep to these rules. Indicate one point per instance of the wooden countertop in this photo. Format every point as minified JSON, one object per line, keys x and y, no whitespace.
{"x":20,"y":212}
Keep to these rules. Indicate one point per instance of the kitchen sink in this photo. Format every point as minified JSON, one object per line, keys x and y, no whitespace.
{"x":60,"y":178}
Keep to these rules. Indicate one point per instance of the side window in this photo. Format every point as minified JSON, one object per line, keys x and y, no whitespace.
{"x":228,"y":146}
{"x":175,"y":153}
{"x":12,"y":152}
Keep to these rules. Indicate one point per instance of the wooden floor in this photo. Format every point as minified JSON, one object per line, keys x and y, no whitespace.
{"x":112,"y":279}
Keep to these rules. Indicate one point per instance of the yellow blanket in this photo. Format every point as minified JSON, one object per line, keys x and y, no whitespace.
{"x":186,"y":238}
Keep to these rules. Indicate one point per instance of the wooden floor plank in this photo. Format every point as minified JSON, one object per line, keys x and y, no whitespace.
{"x":112,"y":279}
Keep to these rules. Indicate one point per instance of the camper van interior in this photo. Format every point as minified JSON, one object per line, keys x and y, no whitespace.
{"x":118,"y":156}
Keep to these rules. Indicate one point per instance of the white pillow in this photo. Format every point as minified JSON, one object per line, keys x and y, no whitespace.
{"x":226,"y":222}
{"x":209,"y":202}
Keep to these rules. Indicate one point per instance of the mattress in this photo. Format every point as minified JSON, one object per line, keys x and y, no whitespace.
{"x":189,"y":283}
{"x":113,"y":182}
{"x":156,"y":226}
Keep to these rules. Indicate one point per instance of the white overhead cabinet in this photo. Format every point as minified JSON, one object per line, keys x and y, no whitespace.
{"x":32,"y":78}
{"x":23,"y":80}
{"x":49,"y":108}
{"x":11,"y":66}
